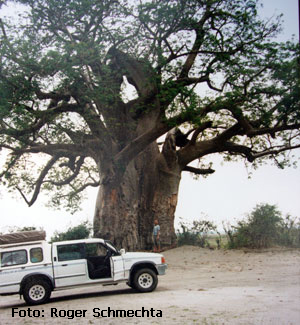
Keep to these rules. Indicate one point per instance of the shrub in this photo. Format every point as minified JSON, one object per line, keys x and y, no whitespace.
{"x":230,"y":233}
{"x":263,"y":228}
{"x":81,"y":231}
{"x":290,"y":232}
{"x":195,"y":234}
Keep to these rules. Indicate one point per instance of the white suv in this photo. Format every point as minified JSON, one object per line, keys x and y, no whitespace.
{"x":34,"y":269}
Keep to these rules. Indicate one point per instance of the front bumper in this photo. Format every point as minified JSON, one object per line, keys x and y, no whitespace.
{"x":161,"y":269}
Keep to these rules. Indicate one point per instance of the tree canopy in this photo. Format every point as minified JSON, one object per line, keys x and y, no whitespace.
{"x":87,"y":85}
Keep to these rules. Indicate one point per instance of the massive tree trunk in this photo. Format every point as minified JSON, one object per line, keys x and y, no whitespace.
{"x":125,"y":209}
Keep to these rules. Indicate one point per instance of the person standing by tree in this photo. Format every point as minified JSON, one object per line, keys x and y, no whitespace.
{"x":156,"y":236}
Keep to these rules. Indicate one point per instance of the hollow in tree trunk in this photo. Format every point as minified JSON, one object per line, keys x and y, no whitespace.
{"x":148,"y":190}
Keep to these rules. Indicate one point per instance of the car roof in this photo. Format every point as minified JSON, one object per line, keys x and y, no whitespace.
{"x":43,"y":242}
{"x":79,"y":241}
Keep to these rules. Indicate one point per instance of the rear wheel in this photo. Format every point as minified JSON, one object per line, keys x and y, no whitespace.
{"x":145,"y":280}
{"x":36,"y":291}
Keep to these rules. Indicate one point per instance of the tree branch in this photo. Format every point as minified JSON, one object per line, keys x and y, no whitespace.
{"x":252,"y":155}
{"x":53,"y":149}
{"x":198,"y":171}
{"x":53,"y":95}
{"x":273,"y":130}
{"x":228,"y":134}
{"x":11,"y":163}
{"x":39,"y":181}
{"x":139,"y":144}
{"x":273,"y":151}
{"x":83,"y":187}
{"x":44,"y":118}
{"x":197,"y":44}
{"x":72,"y":177}
{"x":200,"y":129}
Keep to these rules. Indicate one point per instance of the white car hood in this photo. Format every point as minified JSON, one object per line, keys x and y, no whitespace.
{"x":141,"y":255}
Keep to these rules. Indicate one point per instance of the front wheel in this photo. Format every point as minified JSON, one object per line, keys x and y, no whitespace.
{"x":36,"y":292}
{"x":145,"y":280}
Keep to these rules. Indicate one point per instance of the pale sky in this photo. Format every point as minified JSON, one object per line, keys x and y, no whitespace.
{"x":227,"y":195}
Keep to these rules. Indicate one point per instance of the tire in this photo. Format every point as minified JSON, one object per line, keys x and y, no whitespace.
{"x":36,"y":291}
{"x":145,"y":280}
{"x":131,"y":285}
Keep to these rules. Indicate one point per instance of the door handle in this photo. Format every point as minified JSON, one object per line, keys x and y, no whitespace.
{"x":64,"y":264}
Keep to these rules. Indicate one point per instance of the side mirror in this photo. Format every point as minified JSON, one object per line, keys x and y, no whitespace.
{"x":122,"y":251}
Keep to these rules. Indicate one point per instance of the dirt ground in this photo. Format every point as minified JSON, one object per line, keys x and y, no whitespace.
{"x":201,"y":287}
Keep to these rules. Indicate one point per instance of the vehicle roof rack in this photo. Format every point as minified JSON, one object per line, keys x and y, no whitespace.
{"x":22,"y":237}
{"x":21,"y":244}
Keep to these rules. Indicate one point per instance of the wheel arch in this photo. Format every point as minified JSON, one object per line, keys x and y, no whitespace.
{"x":35,"y":276}
{"x":141,"y":265}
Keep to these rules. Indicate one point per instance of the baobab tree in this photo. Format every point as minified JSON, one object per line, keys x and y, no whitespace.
{"x":126,"y":95}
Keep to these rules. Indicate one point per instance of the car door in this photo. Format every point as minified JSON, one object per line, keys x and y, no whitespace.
{"x":69,"y":264}
{"x":98,"y":261}
{"x":116,"y":262}
{"x":117,"y":265}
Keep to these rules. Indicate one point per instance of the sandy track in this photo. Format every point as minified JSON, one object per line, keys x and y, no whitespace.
{"x":201,"y":287}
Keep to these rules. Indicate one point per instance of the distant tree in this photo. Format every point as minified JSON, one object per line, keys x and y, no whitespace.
{"x":260,"y":229}
{"x":81,"y":231}
{"x":206,"y":78}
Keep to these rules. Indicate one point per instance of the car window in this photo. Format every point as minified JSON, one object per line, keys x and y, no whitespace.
{"x":36,"y":255}
{"x":14,"y":258}
{"x":70,"y":252}
{"x":95,"y":249}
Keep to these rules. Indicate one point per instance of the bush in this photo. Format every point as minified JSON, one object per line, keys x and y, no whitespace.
{"x":263,"y":228}
{"x":290,"y":232}
{"x":195,"y":234}
{"x":186,"y":236}
{"x":230,"y":233}
{"x":81,"y":231}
